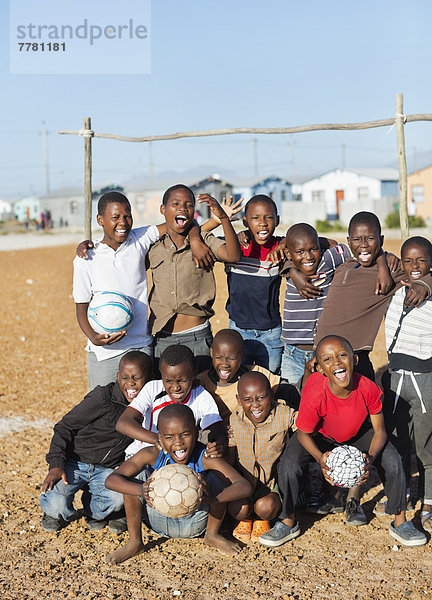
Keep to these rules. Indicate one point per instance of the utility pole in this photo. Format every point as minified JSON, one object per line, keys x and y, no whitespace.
{"x":151,"y":165}
{"x":255,"y":156}
{"x":343,"y":161}
{"x":45,"y":149}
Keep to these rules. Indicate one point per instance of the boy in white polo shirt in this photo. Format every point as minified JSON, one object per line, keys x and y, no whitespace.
{"x":115,"y":263}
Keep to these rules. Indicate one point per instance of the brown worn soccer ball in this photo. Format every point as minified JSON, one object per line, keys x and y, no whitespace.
{"x":177,"y":491}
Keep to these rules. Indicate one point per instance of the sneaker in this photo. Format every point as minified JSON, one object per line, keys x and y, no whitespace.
{"x":354,"y":513}
{"x":407,"y":534}
{"x":279,"y":534}
{"x":50,"y":524}
{"x":94,"y":524}
{"x":333,"y":505}
{"x":117,"y":525}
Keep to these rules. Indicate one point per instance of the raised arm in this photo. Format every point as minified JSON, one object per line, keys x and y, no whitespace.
{"x":230,"y":251}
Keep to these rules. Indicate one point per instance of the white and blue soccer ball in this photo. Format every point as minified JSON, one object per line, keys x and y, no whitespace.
{"x":347,"y":465}
{"x":110,"y":312}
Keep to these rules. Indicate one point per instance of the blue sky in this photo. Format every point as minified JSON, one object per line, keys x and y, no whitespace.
{"x":229,"y":64}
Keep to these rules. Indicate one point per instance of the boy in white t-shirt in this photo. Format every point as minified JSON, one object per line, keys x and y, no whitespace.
{"x":115,"y":263}
{"x":178,"y":384}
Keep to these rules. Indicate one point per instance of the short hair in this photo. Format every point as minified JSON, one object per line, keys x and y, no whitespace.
{"x":176,"y":354}
{"x":178,"y":186}
{"x":300,"y":230}
{"x":229,"y":336}
{"x":176,"y":410}
{"x":254,"y":375}
{"x":135,"y":356}
{"x":343,"y":340}
{"x":260,"y":199}
{"x":417,"y":240}
{"x":111,"y":198}
{"x":365,"y":218}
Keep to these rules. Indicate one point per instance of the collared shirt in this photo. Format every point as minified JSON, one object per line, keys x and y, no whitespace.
{"x":122,"y":270}
{"x":179,"y":287}
{"x":260,"y":446}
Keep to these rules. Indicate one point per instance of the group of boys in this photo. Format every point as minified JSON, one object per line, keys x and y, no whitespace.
{"x":240,"y":392}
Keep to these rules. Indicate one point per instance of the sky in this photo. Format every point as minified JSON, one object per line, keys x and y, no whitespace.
{"x":244,"y":63}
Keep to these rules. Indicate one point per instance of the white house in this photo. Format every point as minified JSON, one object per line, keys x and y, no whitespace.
{"x":356,"y":187}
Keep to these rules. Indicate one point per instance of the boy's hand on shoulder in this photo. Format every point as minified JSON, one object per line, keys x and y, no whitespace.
{"x":304,"y":284}
{"x":213,"y":205}
{"x":416,"y":294}
{"x":244,"y":238}
{"x":53,"y":477}
{"x":81,"y":249}
{"x":279,"y":253}
{"x":202,"y":255}
{"x":215,"y":449}
{"x":393,"y":262}
{"x":104,"y":339}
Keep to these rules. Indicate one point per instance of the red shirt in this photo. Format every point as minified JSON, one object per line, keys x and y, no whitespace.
{"x":337,"y":418}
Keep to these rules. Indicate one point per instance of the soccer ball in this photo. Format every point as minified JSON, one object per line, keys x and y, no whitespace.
{"x":177,"y":491}
{"x":347,"y":465}
{"x":110,"y":312}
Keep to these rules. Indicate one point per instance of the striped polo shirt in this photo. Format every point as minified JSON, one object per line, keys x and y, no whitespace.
{"x":253,"y":288}
{"x":300,"y":315}
{"x":260,"y":446}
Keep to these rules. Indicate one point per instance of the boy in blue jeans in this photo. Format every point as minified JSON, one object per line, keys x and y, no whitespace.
{"x":85,"y":449}
{"x":177,"y":443}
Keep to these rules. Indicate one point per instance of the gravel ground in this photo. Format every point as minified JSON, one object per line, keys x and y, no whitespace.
{"x":43,"y":376}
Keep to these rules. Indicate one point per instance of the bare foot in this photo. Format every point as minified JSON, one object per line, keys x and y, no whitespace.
{"x":119,"y":556}
{"x":217,"y":541}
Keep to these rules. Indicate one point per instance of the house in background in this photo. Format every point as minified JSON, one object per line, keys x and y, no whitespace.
{"x":27,"y":209}
{"x":216,"y":187}
{"x":420,"y":193}
{"x":6,"y":211}
{"x":278,"y":189}
{"x":353,"y":189}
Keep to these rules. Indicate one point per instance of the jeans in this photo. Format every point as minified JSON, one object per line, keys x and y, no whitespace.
{"x":293,"y":362}
{"x":98,"y":503}
{"x":263,"y":346}
{"x":191,"y":526}
{"x":102,"y":372}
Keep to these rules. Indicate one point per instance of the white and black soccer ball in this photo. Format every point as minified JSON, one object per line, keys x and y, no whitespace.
{"x":110,"y":312}
{"x":177,"y":491}
{"x":347,"y":465}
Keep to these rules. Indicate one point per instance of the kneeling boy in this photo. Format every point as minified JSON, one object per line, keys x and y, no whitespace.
{"x":86,"y":447}
{"x":337,"y":407}
{"x":178,"y":440}
{"x":260,"y":428}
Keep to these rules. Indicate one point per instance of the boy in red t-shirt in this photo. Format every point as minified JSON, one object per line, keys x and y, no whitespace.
{"x":337,"y":407}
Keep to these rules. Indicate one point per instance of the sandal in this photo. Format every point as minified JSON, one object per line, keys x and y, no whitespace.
{"x":259,"y":527}
{"x":426,"y":520}
{"x":243,"y":530}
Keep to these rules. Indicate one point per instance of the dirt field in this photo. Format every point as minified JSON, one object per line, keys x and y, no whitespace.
{"x":43,"y":375}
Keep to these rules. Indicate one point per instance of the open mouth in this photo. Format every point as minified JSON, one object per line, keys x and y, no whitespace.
{"x":364,"y":256}
{"x":262,"y":235}
{"x":121,"y":232}
{"x":257,"y":414}
{"x":340,"y":374}
{"x":180,"y":454}
{"x":131,"y":394}
{"x":180,"y":220}
{"x":224,"y":375}
{"x":308,"y":264}
{"x":415,"y":274}
{"x":177,"y":395}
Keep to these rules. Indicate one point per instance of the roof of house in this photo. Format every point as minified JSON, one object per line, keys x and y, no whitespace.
{"x":381,"y":173}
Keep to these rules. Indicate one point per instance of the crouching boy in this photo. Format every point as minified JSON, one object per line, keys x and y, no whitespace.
{"x":222,"y":484}
{"x":85,"y":449}
{"x":260,"y":427}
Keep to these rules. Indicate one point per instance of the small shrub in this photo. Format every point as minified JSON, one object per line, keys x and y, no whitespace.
{"x":326,"y":226}
{"x":392,"y":221}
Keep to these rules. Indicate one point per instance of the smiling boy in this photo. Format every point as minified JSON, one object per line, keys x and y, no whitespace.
{"x":260,"y":428}
{"x":85,"y":449}
{"x":354,"y":309}
{"x":182,"y":296}
{"x":337,"y":407}
{"x":177,"y":443}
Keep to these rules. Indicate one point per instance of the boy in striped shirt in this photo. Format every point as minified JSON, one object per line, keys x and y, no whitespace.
{"x":259,"y":431}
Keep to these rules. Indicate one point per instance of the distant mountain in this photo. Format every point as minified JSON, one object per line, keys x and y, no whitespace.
{"x":188,"y":174}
